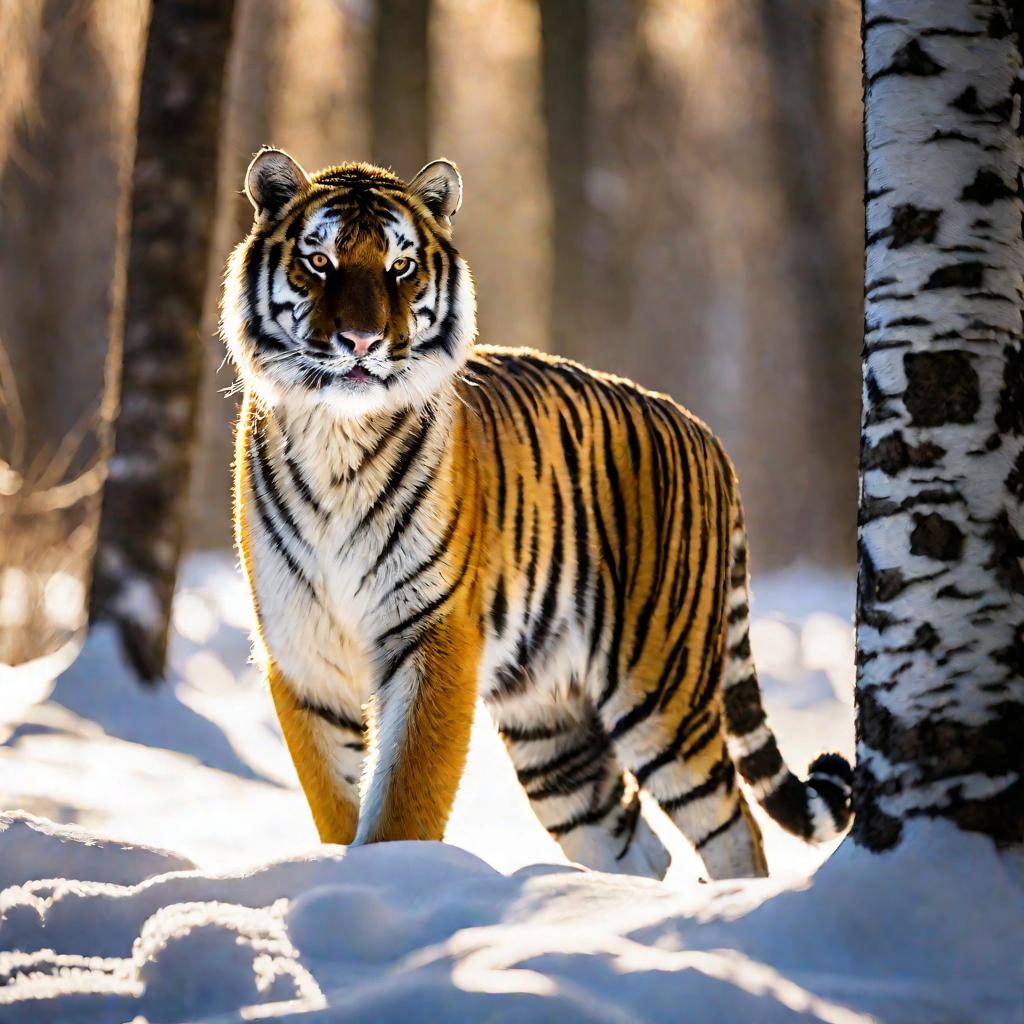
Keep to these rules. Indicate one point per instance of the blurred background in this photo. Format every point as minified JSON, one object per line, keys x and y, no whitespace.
{"x":666,"y":189}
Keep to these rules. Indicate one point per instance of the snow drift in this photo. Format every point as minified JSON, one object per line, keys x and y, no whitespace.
{"x":424,"y":931}
{"x":254,"y":920}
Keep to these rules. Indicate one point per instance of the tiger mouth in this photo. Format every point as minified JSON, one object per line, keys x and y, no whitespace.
{"x":359,"y":375}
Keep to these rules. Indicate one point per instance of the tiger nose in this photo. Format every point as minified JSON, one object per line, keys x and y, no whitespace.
{"x":358,"y":342}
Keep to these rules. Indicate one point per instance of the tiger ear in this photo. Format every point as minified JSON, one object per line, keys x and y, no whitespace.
{"x":272,"y":180}
{"x":439,"y":186}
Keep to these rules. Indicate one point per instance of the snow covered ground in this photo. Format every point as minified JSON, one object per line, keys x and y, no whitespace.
{"x":250,"y":919}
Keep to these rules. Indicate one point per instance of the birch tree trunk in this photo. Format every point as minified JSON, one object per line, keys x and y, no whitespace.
{"x":400,"y":87}
{"x":172,"y":213}
{"x":940,"y":715}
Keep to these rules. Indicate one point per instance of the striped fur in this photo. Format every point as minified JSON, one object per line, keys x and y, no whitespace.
{"x":475,"y":521}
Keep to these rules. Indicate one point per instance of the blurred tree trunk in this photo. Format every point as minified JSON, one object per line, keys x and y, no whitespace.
{"x":400,"y":86}
{"x":802,"y":114}
{"x":62,"y":140}
{"x":172,"y":211}
{"x":565,"y":29}
{"x":940,"y":695}
{"x":252,"y":88}
{"x":58,"y":202}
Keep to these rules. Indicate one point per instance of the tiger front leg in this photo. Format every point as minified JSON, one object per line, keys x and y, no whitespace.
{"x":327,"y":747}
{"x":421,"y":716}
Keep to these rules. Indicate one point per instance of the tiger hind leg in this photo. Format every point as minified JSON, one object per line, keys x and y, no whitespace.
{"x":578,"y":790}
{"x":696,"y":786}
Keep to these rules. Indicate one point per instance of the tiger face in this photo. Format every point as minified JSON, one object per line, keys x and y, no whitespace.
{"x":348,"y":292}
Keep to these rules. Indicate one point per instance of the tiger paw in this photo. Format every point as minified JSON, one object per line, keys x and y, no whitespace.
{"x":599,"y":849}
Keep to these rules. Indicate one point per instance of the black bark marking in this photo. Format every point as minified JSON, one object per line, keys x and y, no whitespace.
{"x":967,"y":101}
{"x":1013,"y":655}
{"x":883,"y":19}
{"x":1007,"y":552}
{"x":987,"y":188}
{"x":997,"y":27}
{"x":868,"y":612}
{"x":926,"y":638}
{"x":909,"y":224}
{"x":1010,"y":414}
{"x":952,"y":136}
{"x":890,"y":583}
{"x":911,"y":59}
{"x":1015,"y":481}
{"x":936,"y":537}
{"x":970,"y":274}
{"x":942,"y":387}
{"x":878,"y":409}
{"x":938,"y":749}
{"x":872,"y":827}
{"x":893,"y":454}
{"x":953,"y":592}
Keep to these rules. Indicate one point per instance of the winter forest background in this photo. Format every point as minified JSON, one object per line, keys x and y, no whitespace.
{"x":673,"y":190}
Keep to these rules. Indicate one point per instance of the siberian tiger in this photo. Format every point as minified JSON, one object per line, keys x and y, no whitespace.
{"x":424,"y":521}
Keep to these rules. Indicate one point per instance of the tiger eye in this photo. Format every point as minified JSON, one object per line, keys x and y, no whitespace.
{"x":318,"y":261}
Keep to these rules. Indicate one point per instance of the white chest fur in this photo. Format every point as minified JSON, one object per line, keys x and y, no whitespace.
{"x":328,"y":553}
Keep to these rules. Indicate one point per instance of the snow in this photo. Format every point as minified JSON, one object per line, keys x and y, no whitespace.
{"x":252,"y":919}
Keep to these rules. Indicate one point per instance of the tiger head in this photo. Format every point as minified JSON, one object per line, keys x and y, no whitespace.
{"x":348,"y":292}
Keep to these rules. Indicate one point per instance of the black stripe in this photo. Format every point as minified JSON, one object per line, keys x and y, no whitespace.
{"x":268,"y":479}
{"x":529,"y":734}
{"x":252,"y":268}
{"x":595,"y":743}
{"x":567,"y":783}
{"x":335,"y":718}
{"x":592,"y":816}
{"x":597,"y":622}
{"x":531,"y":566}
{"x":399,"y":469}
{"x":402,"y":522}
{"x":788,"y":806}
{"x":499,"y":606}
{"x":619,"y":530}
{"x":636,"y":455}
{"x":580,"y":522}
{"x":527,"y":420}
{"x":276,"y":539}
{"x":762,"y":763}
{"x":720,"y":775}
{"x":300,"y":484}
{"x":499,"y":459}
{"x":739,"y":613}
{"x":837,"y":800}
{"x":518,"y":541}
{"x":724,"y":827}
{"x":438,"y":552}
{"x":675,"y":663}
{"x":370,"y":455}
{"x":567,"y":374}
{"x":743,"y":709}
{"x":433,"y":606}
{"x":548,"y":606}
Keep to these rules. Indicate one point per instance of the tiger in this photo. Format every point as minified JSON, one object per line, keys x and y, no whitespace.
{"x":425,"y":521}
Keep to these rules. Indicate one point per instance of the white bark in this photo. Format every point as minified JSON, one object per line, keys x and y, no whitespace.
{"x":941,"y":609}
